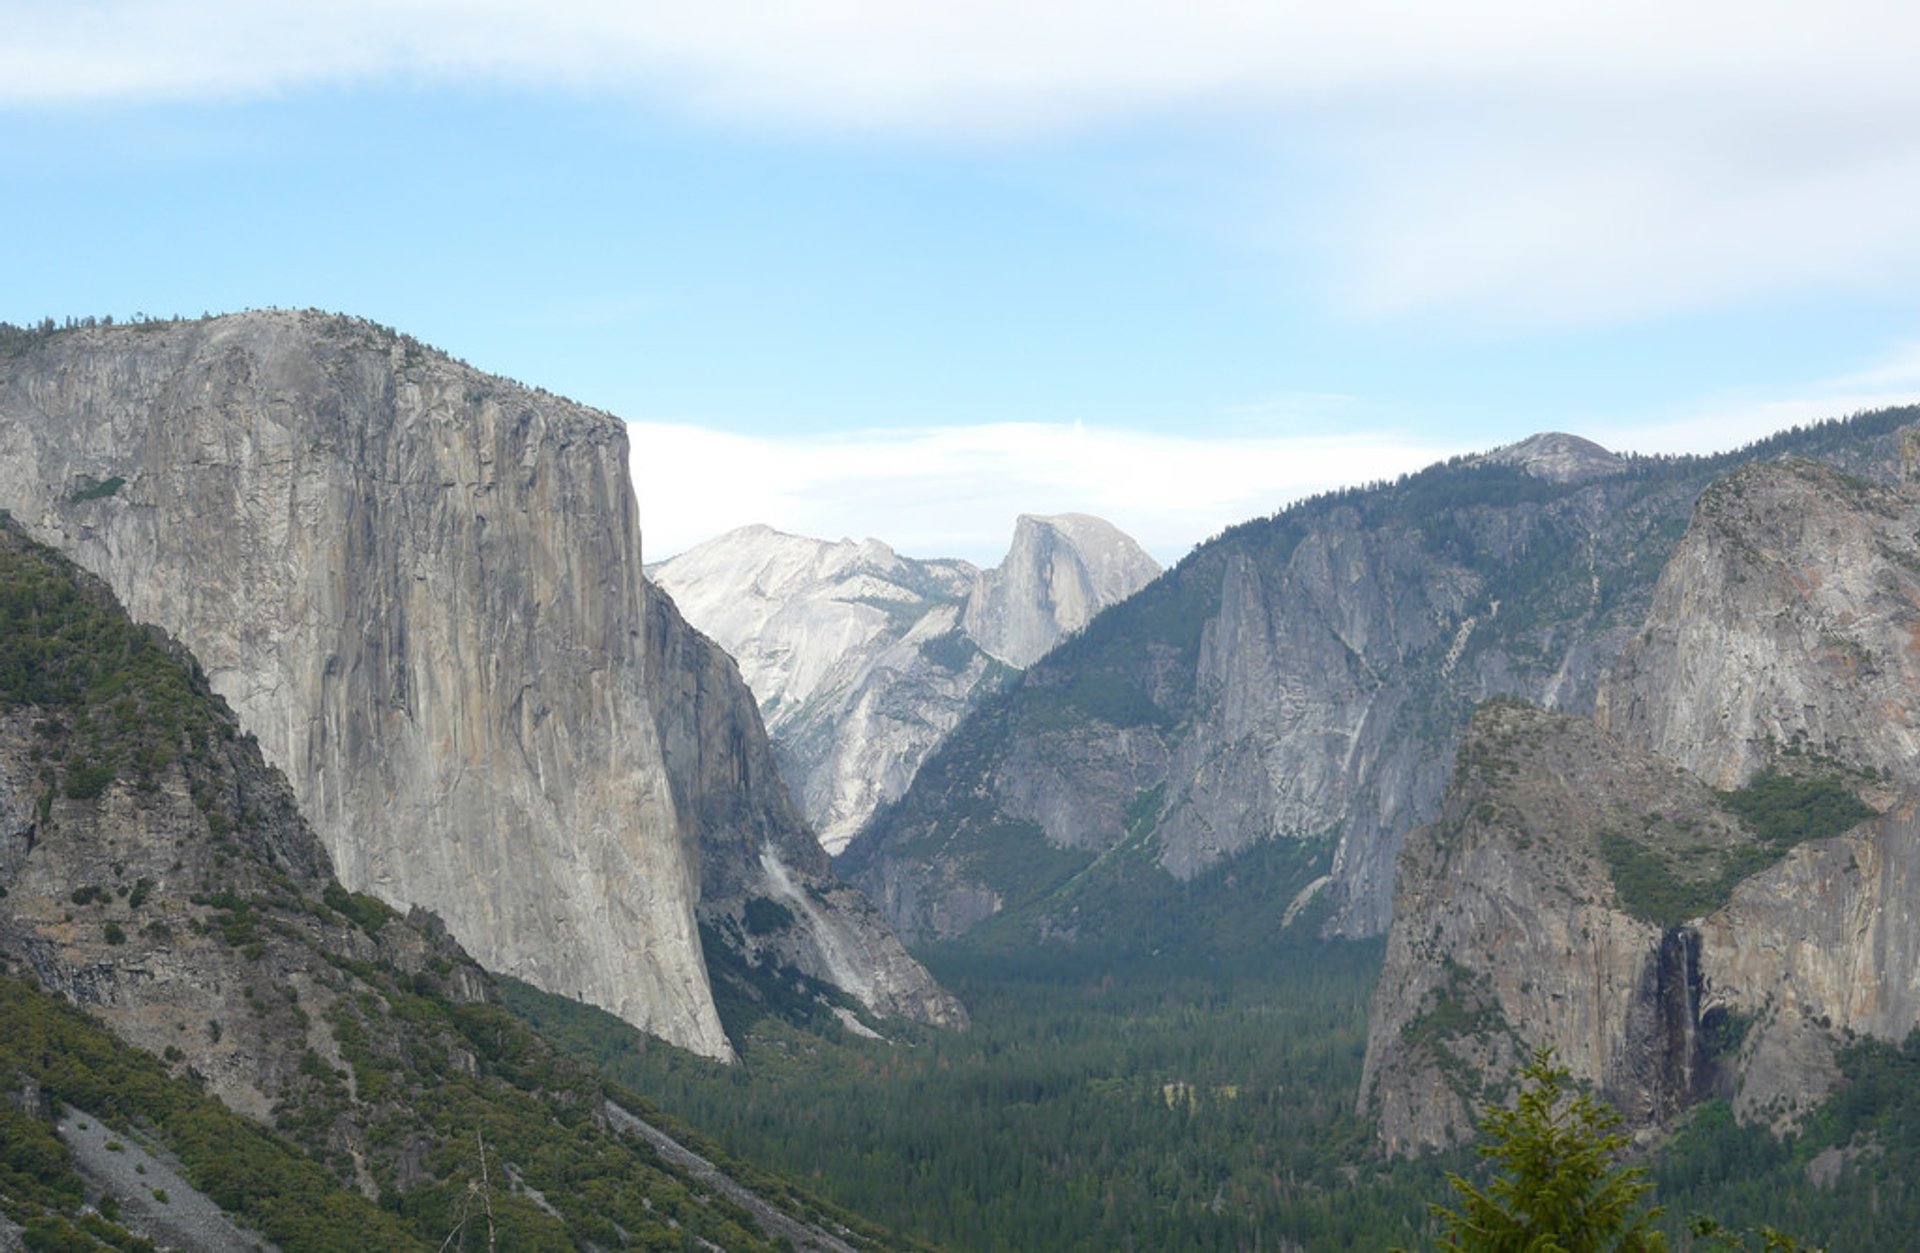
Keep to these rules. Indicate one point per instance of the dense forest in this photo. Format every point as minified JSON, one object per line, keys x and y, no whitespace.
{"x":1128,"y":1103}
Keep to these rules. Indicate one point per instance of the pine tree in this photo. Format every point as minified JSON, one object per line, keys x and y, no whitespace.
{"x":1558,"y":1189}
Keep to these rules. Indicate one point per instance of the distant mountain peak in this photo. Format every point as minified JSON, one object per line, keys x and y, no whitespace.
{"x":1559,"y":457}
{"x":862,"y":659}
{"x":1061,"y":570}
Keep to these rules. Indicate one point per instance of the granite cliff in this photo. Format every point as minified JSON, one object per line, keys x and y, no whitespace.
{"x":1303,"y":677}
{"x":1787,"y":615}
{"x":156,"y":874}
{"x":1707,"y":892}
{"x":1059,"y":572}
{"x":1510,"y":931}
{"x":863,"y":660}
{"x":420,"y":587}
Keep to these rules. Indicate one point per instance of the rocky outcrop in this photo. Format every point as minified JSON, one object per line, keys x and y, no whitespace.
{"x":156,"y":873}
{"x":1509,"y":933}
{"x":1814,"y":951}
{"x":162,"y":892}
{"x":754,"y":847}
{"x":1559,"y":457}
{"x":420,"y":587}
{"x":1517,"y":927}
{"x":1298,"y":677}
{"x":863,"y":660}
{"x":1059,"y":573}
{"x":1789,"y":615}
{"x":1784,"y":629}
{"x":1591,"y":892}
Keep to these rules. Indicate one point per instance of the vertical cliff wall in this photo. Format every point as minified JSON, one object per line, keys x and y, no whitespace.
{"x":1509,"y":932}
{"x":753,"y":845}
{"x":1789,"y":615}
{"x":420,"y":587}
{"x":1310,"y":675}
{"x":1674,"y":940}
{"x":1059,"y":572}
{"x":853,"y":652}
{"x":1300,"y":676}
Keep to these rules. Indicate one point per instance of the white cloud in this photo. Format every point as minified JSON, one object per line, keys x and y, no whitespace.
{"x":955,"y":491}
{"x":1732,"y":422}
{"x":1520,"y":161}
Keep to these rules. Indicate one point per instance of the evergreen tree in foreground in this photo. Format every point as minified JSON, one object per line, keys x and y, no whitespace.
{"x":1558,"y":1190}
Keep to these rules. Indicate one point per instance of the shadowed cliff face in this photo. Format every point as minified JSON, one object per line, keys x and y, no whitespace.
{"x":420,"y":587}
{"x":1301,"y":676}
{"x":1306,"y":675}
{"x":754,"y":845}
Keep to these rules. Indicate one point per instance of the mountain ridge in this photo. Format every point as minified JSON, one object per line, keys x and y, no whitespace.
{"x":863,"y":659}
{"x":1301,"y":676}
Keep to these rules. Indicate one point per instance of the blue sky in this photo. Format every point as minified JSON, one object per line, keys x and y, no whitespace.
{"x":906,"y":270}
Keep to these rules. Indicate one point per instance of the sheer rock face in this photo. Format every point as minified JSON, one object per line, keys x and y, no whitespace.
{"x":1301,"y":676}
{"x":1789,"y":614}
{"x":754,"y":844}
{"x":1784,"y":621}
{"x":1508,"y":934}
{"x":165,"y":980}
{"x":863,"y":660}
{"x":1059,"y":573}
{"x":1823,"y":944}
{"x":1788,"y":620}
{"x":420,"y":587}
{"x":1311,"y":674}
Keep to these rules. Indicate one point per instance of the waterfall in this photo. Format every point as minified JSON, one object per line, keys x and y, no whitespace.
{"x":1682,"y":1078}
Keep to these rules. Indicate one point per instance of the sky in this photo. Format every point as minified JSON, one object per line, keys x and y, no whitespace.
{"x":906,"y":270}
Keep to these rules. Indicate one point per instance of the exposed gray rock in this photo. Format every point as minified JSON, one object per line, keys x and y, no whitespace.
{"x":1789,"y":615}
{"x":1059,"y":573}
{"x":1508,"y":934}
{"x":1310,"y":674}
{"x":863,"y":660}
{"x":420,"y":587}
{"x":167,"y":885}
{"x":753,"y":843}
{"x":137,"y":1179}
{"x":1559,"y":457}
{"x":853,"y":651}
{"x":1301,"y":676}
{"x":165,"y":905}
{"x":1779,"y":638}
